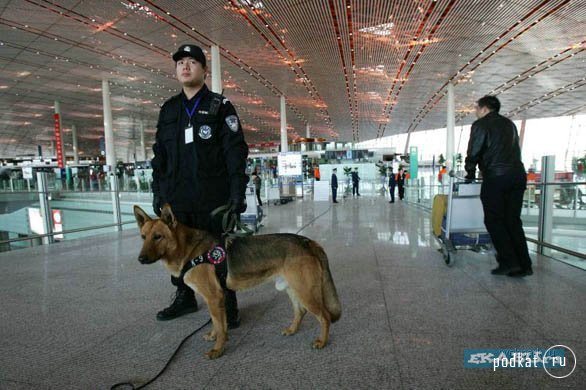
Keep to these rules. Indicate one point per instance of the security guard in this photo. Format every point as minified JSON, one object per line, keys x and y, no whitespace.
{"x":199,"y":164}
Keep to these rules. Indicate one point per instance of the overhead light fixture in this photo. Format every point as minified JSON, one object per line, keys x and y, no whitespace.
{"x":381,"y":29}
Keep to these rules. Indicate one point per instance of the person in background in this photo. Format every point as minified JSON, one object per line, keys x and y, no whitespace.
{"x":494,"y":147}
{"x":316,"y":173}
{"x":334,"y":184}
{"x":442,"y":172}
{"x":257,"y":181}
{"x":274,"y":170}
{"x":355,"y":182}
{"x":392,"y":184}
{"x":401,"y":183}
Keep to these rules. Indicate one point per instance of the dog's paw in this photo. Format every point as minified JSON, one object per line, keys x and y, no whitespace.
{"x":211,"y":336}
{"x":288,"y":332}
{"x":318,"y":344}
{"x":214,"y":353}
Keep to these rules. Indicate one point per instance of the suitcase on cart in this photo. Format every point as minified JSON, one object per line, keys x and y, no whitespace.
{"x":462,"y":219}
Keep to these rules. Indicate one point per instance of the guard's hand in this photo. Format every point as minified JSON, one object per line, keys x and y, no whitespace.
{"x":238,"y":206}
{"x":469,"y":178}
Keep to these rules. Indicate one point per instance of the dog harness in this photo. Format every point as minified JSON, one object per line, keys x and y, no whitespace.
{"x":215,"y":256}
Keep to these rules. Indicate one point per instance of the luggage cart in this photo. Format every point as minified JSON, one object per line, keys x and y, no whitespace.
{"x":463,"y":224}
{"x":254,"y":213}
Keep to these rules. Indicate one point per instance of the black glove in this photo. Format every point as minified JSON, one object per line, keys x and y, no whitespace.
{"x":238,"y":206}
{"x":157,"y":205}
{"x":470,"y":177}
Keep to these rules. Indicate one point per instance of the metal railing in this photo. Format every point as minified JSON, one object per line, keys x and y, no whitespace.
{"x":83,"y":207}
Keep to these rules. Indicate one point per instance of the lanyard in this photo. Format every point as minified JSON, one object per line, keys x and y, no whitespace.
{"x":190,"y":113}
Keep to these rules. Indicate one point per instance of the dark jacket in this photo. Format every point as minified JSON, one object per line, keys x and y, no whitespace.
{"x":401,"y":178}
{"x":494,"y":146}
{"x":334,"y":182}
{"x":355,"y":177}
{"x":392,"y":180}
{"x":201,"y":175}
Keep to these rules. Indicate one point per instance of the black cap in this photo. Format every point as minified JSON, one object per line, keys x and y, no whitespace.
{"x":192,"y":51}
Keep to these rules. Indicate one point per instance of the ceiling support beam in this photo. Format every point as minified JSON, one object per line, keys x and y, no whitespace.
{"x":284,"y":145}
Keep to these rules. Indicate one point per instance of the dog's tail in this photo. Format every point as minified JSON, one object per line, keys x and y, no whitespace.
{"x":331,"y":301}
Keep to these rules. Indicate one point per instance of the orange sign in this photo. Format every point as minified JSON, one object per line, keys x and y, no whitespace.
{"x":60,"y":160}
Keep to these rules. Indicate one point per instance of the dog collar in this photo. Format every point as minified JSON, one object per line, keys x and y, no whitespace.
{"x":214,"y":256}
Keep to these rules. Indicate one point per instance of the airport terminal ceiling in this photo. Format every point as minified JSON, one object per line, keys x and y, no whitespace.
{"x":353,"y":70}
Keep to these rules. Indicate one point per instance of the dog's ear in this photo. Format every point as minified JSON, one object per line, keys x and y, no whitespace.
{"x":141,"y":216}
{"x":167,"y":216}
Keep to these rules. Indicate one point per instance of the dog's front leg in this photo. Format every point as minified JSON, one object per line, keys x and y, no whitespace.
{"x":218,"y":313}
{"x":203,"y":280}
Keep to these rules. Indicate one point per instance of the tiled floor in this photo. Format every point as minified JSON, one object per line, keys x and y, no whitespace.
{"x":81,"y":314}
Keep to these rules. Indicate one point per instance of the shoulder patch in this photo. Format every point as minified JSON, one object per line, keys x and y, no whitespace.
{"x":225,"y":101}
{"x":232,"y":122}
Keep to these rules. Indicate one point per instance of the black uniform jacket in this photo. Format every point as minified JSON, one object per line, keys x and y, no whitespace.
{"x":494,"y":146}
{"x":199,"y":170}
{"x":334,"y":182}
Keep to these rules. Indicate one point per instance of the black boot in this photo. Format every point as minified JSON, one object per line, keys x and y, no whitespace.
{"x":183,"y":303}
{"x":231,"y":304}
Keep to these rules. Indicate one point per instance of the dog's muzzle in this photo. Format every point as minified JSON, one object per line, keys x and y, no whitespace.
{"x":143,"y":259}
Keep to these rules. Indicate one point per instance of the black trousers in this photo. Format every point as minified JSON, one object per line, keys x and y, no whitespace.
{"x":355,"y":188}
{"x":401,"y":191}
{"x":502,"y":200}
{"x":204,"y":221}
{"x":334,"y":193}
{"x":257,"y":191}
{"x":392,"y":192}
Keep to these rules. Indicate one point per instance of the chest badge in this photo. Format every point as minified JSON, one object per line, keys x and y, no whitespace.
{"x":216,"y":255}
{"x":232,"y":122}
{"x":205,"y":132}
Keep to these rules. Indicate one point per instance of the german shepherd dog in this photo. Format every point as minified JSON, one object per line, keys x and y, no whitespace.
{"x":299,"y":265}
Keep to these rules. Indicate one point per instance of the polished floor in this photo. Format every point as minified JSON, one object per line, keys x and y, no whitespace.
{"x":81,"y":314}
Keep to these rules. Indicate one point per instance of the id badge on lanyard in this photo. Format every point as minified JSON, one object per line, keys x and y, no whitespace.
{"x":189,"y":128}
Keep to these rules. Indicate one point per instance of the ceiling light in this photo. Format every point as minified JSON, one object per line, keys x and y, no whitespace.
{"x":381,"y":29}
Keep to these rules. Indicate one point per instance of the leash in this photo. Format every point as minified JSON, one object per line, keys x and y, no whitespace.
{"x":131,"y":386}
{"x":230,"y":221}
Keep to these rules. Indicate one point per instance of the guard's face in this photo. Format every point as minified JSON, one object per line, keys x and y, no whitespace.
{"x":190,"y":72}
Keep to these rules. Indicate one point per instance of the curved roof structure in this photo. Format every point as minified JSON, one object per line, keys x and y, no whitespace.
{"x":352,"y":69}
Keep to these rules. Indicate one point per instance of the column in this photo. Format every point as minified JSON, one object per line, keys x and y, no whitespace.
{"x":216,"y":70}
{"x":75,"y":151}
{"x":307,"y":133}
{"x":284,"y":145}
{"x":450,"y":127}
{"x":108,"y":132}
{"x":545,"y":224}
{"x":142,"y":150}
